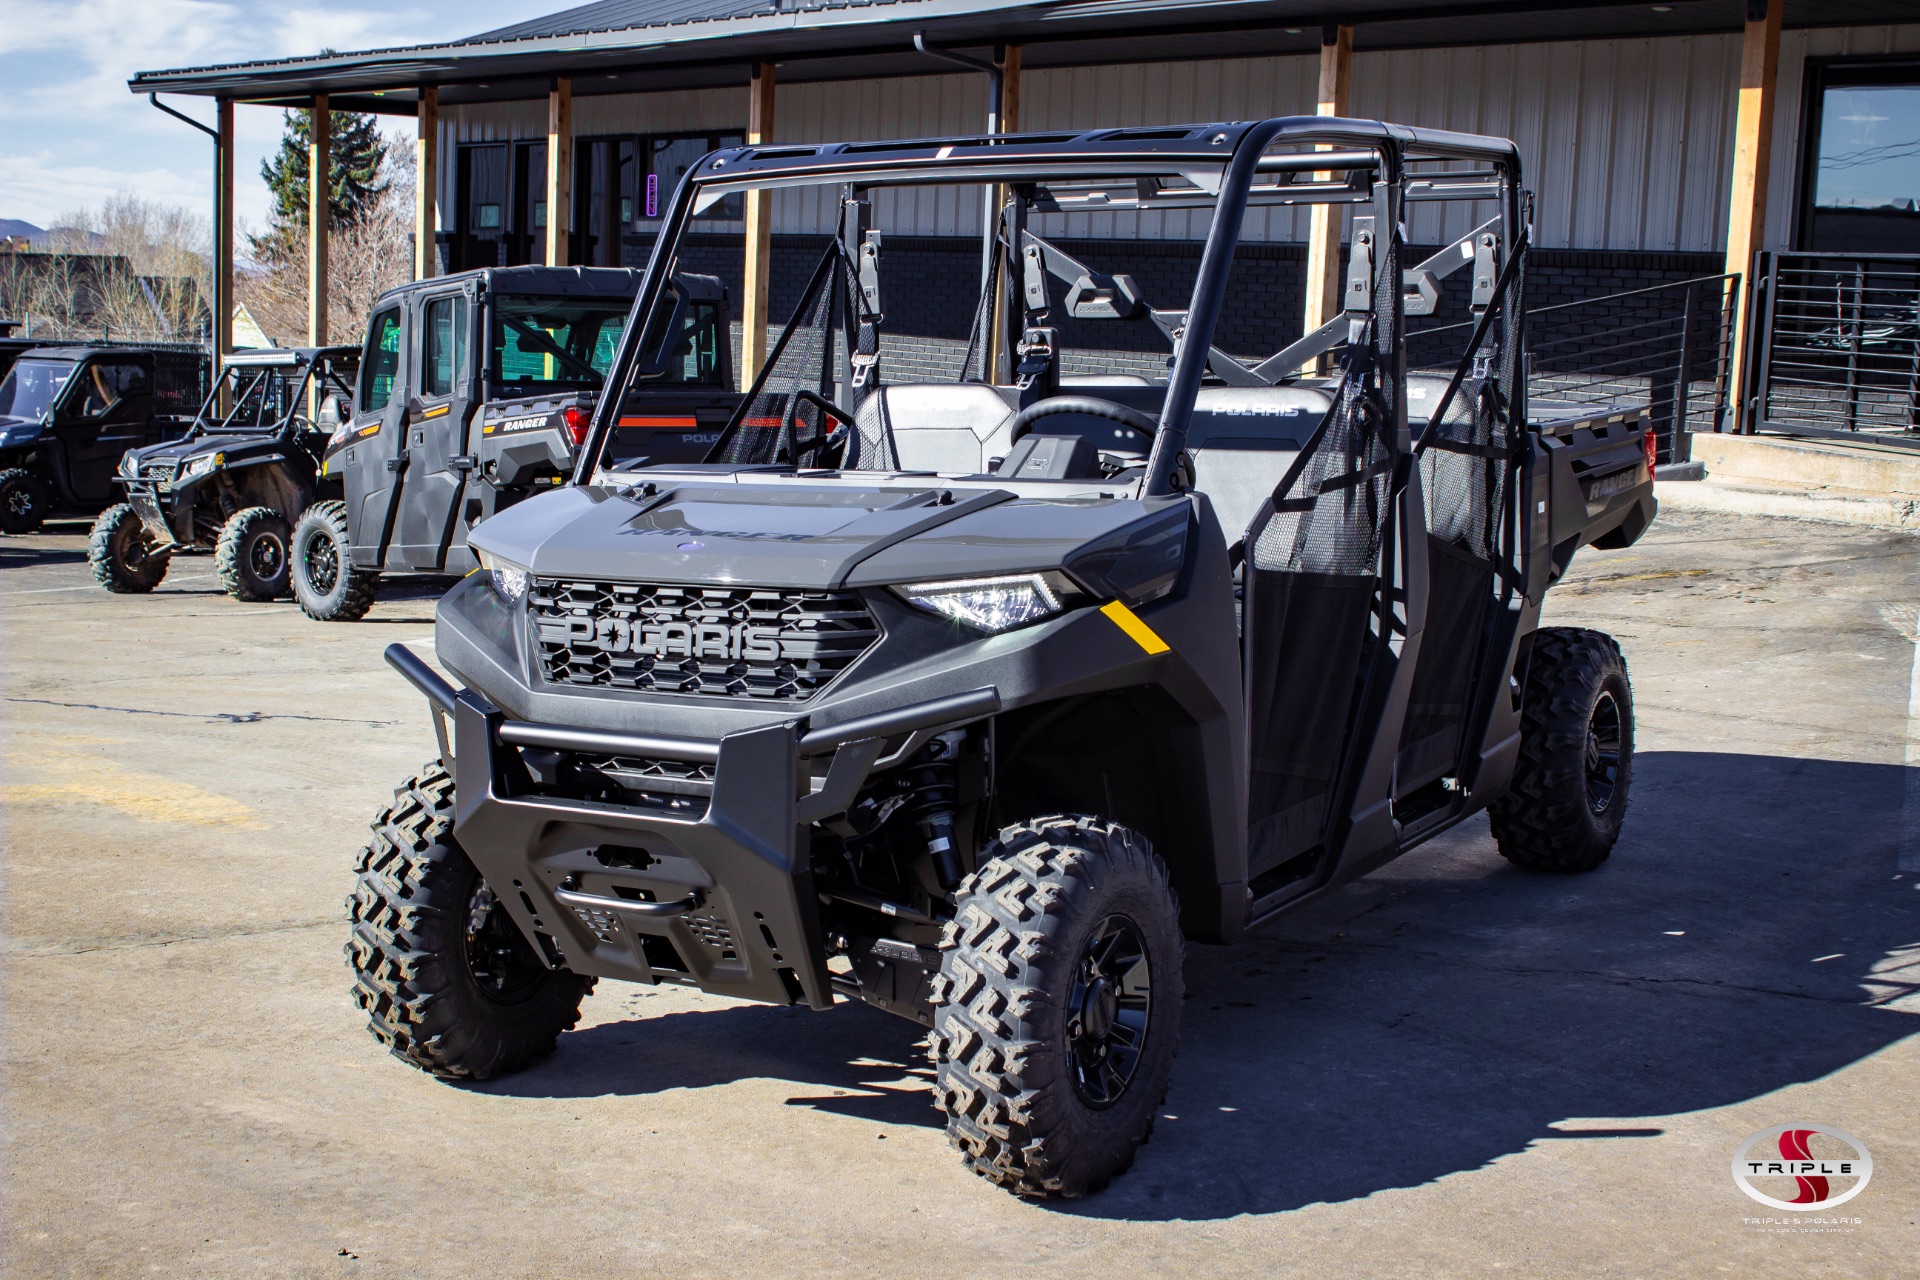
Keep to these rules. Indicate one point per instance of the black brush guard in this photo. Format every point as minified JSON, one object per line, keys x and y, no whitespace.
{"x":724,"y":901}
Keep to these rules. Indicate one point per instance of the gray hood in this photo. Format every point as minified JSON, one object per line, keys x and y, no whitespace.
{"x":796,"y":533}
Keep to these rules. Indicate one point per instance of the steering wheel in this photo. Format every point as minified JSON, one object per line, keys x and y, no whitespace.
{"x":1086,"y":406}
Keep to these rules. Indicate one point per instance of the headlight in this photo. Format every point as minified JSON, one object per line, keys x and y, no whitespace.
{"x":129,"y":465}
{"x":204,"y":463}
{"x":509,"y":579}
{"x":993,"y":605}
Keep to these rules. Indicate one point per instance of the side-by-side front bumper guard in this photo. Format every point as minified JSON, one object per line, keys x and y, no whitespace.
{"x":731,"y":889}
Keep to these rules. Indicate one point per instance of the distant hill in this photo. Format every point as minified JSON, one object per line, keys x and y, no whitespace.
{"x":10,"y":227}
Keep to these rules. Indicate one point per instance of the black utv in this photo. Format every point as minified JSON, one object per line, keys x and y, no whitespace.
{"x":971,"y":699}
{"x":476,"y":392}
{"x":69,"y":413}
{"x":238,"y":480}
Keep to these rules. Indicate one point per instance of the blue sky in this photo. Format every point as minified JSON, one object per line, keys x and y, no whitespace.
{"x":71,"y":134}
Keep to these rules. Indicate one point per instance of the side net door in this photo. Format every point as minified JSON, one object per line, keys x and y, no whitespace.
{"x":1466,"y":443}
{"x":1315,"y":618}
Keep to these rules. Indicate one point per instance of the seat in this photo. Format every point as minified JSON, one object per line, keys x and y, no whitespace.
{"x":927,"y":427}
{"x":1243,"y":439}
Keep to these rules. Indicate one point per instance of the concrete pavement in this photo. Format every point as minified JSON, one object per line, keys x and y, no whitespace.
{"x":1451,"y":1068}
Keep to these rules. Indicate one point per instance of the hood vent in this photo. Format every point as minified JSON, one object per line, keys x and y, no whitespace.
{"x":739,"y":642}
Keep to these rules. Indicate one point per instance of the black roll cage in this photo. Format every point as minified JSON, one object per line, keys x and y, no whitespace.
{"x":1220,"y":162}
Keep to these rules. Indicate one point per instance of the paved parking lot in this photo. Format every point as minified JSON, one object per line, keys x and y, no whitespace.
{"x":1450,"y":1068}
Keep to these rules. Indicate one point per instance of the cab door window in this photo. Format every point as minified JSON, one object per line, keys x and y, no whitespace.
{"x":446,"y":345}
{"x":381,"y":365}
{"x":104,"y":384}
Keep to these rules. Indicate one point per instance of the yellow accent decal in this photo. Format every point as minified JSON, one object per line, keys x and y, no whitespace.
{"x":435,"y":412}
{"x":1128,"y":621}
{"x":366,"y":431}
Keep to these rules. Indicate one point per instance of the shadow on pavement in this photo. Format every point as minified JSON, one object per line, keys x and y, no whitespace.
{"x":1449,"y":1009}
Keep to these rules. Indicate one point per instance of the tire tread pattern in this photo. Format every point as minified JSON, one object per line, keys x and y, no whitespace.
{"x":407,"y":910}
{"x":361,"y":586}
{"x":107,"y":569}
{"x":1542,"y":822}
{"x":1002,"y":1073}
{"x":229,"y":551}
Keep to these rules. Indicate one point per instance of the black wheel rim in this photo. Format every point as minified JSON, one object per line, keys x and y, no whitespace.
{"x":267,"y":557}
{"x":133,"y":545}
{"x":322,"y":563}
{"x":502,"y":964}
{"x":1107,"y":1011}
{"x":1603,"y":752}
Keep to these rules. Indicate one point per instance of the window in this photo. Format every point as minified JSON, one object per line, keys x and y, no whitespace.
{"x":1861,"y":179}
{"x":105,"y":384}
{"x":446,"y":339}
{"x":381,"y":365}
{"x":542,"y":344}
{"x":668,"y":162}
{"x":487,"y":218}
{"x":697,"y":361}
{"x":31,"y":386}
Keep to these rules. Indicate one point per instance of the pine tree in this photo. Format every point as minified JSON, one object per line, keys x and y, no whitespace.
{"x":355,"y":155}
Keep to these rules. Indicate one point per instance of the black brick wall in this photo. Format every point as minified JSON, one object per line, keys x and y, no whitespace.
{"x":931,"y":283}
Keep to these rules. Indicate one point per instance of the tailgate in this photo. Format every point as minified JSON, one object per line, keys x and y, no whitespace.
{"x":1589,"y":482}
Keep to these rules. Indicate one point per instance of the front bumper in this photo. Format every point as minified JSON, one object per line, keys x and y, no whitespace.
{"x":722,"y":900}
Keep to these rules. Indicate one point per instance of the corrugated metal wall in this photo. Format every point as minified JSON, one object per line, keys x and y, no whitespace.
{"x":1629,"y":143}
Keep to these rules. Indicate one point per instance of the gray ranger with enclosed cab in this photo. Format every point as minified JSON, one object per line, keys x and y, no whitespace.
{"x":971,"y":698}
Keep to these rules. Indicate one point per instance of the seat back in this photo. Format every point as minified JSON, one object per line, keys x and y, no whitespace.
{"x":927,"y":427}
{"x":1243,"y":439}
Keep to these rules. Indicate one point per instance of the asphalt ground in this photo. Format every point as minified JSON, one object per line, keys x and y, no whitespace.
{"x":1450,"y":1068}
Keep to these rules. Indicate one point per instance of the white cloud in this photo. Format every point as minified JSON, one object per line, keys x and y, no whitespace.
{"x":74,"y":133}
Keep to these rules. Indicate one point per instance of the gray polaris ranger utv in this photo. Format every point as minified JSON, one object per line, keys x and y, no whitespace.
{"x":477,"y":392}
{"x":970,"y":698}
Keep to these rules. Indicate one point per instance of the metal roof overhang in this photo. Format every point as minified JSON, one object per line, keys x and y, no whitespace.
{"x":876,"y":40}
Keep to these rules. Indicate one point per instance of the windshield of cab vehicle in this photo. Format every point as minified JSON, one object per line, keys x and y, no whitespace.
{"x":553,"y":344}
{"x":31,"y":387}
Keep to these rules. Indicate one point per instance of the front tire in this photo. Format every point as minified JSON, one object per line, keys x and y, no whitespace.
{"x":325,"y":582}
{"x":1057,"y":1006}
{"x":124,"y":557}
{"x":448,"y":982}
{"x":1569,"y":793}
{"x":24,"y":501}
{"x":251,"y":555}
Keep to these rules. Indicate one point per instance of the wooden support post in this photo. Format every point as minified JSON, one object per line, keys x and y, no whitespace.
{"x":222,"y":232}
{"x":1323,"y":234}
{"x":1747,"y":210}
{"x":759,"y":246}
{"x":426,"y":197}
{"x":559,"y":170}
{"x":319,"y":188}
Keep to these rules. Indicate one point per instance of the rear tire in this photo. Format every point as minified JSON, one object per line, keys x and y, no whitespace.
{"x":1569,"y":793}
{"x":448,"y":982}
{"x":24,"y":501}
{"x":124,"y":557}
{"x":251,"y":555}
{"x":325,"y":582}
{"x":1057,"y":1006}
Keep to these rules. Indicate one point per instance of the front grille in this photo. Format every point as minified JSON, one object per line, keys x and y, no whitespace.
{"x":743,"y":642}
{"x":161,"y":471}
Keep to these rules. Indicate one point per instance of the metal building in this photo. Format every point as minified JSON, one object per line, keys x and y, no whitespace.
{"x":1667,"y":142}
